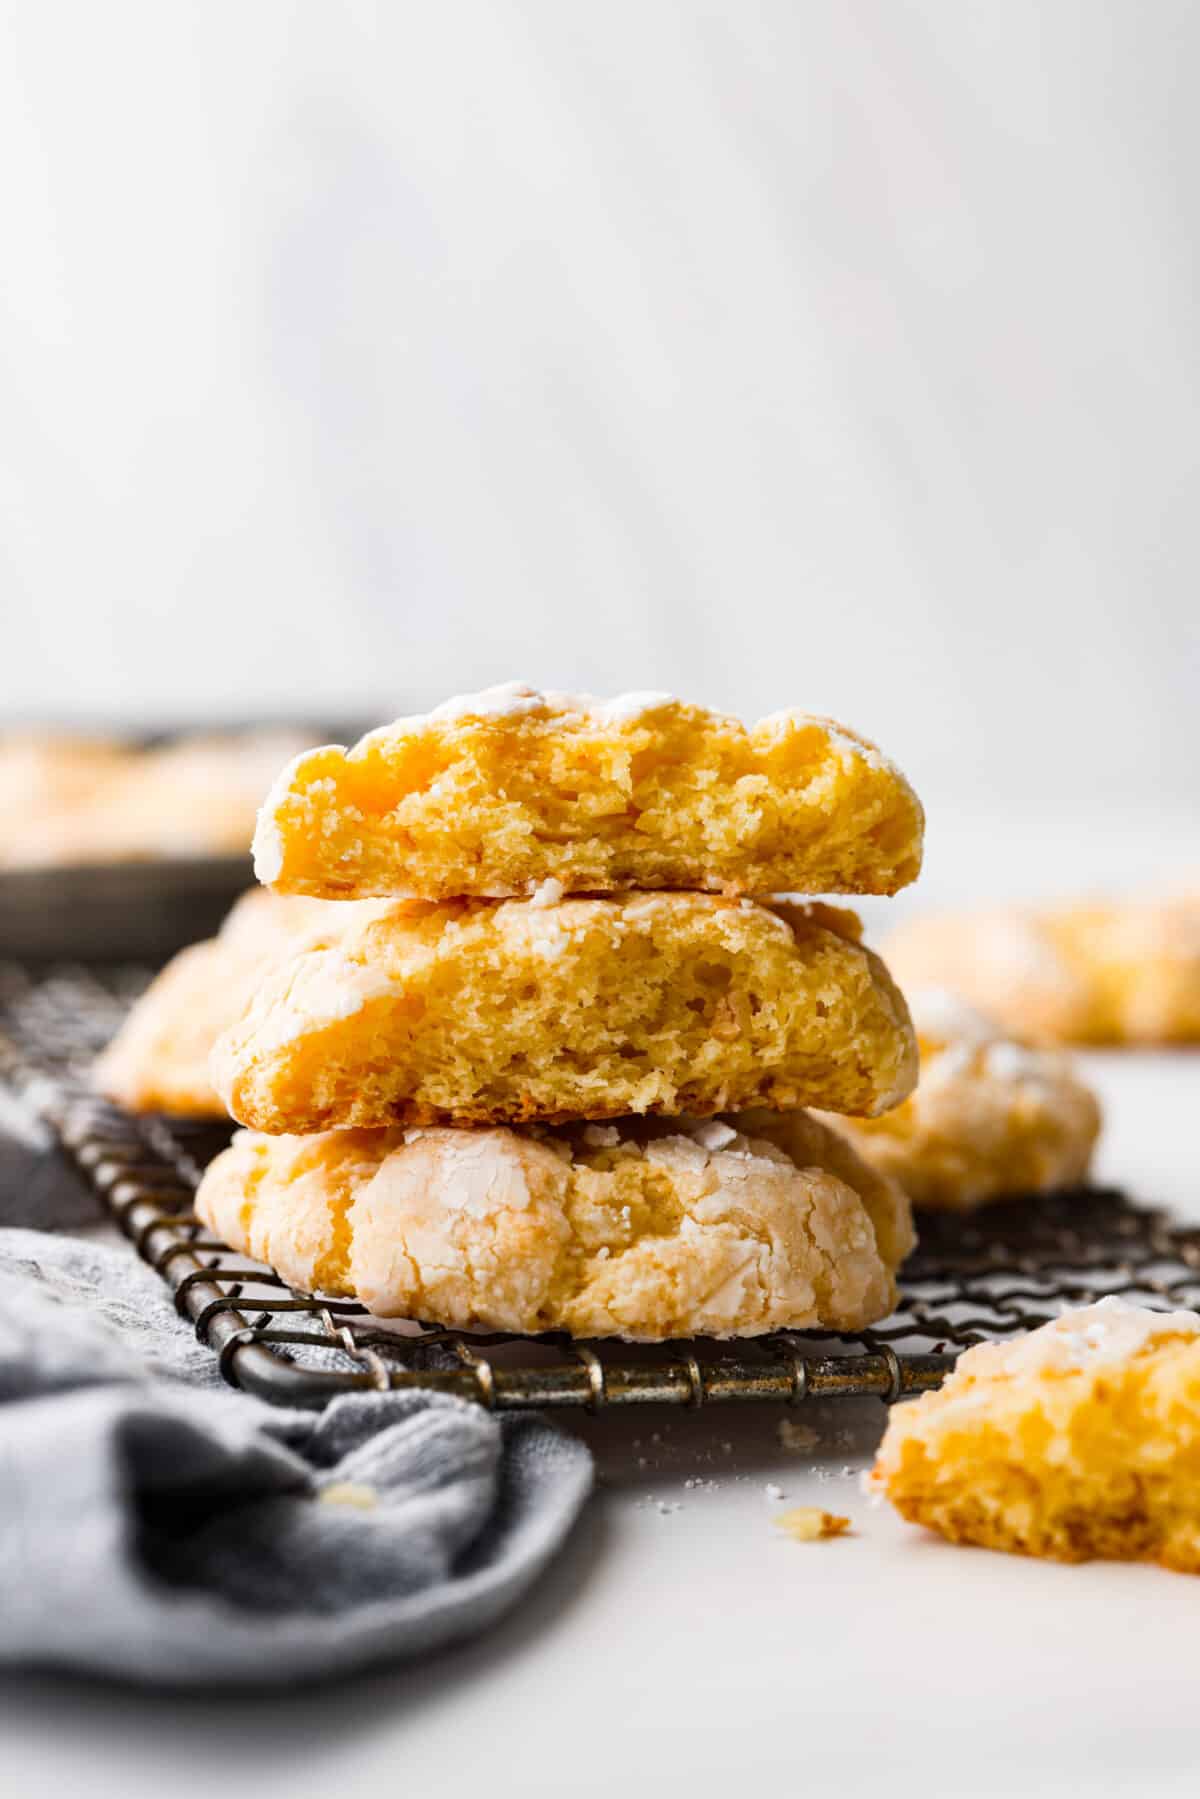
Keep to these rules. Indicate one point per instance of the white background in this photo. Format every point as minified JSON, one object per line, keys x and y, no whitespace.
{"x":837,"y":355}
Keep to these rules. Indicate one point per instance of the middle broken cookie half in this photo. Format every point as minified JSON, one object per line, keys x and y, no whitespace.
{"x":478,"y":1012}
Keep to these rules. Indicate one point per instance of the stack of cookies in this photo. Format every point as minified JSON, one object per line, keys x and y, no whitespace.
{"x":550,"y":1074}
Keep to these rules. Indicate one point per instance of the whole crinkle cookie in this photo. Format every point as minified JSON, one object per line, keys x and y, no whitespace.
{"x":641,"y":1229}
{"x":991,"y":1118}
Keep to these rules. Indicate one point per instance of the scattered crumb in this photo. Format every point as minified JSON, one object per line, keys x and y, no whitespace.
{"x":773,"y":1491}
{"x":663,"y":1506}
{"x":867,"y":1486}
{"x":796,"y":1436}
{"x":353,"y":1493}
{"x":808,"y":1524}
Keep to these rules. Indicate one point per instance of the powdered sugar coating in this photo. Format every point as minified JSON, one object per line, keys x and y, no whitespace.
{"x":942,"y":1016}
{"x":514,"y":699}
{"x":515,"y":1230}
{"x":1109,"y":1331}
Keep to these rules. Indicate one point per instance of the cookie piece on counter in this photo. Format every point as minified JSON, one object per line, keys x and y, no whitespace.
{"x":641,"y":1229}
{"x":477,"y":1012}
{"x":158,"y":1060}
{"x":990,"y":1118}
{"x":1121,"y":973}
{"x":498,"y":794}
{"x":1078,"y":1440}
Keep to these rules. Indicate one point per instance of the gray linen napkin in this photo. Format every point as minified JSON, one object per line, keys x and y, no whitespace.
{"x":155,"y":1525}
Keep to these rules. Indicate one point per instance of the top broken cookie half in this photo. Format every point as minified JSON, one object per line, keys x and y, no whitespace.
{"x":511,"y":793}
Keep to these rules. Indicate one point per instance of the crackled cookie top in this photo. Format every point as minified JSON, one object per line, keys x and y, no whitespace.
{"x":1079,"y":1439}
{"x":641,"y":1229}
{"x":495,"y":794}
{"x":485,"y":1012}
{"x":1121,"y":972}
{"x":991,"y":1118}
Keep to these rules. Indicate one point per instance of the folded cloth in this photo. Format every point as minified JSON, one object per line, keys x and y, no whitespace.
{"x":157,"y":1526}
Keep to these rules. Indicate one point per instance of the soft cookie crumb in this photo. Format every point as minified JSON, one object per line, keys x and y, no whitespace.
{"x":499,"y":793}
{"x":353,"y":1493}
{"x":809,"y":1524}
{"x":797,"y":1437}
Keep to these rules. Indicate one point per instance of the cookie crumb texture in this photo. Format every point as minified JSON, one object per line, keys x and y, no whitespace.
{"x":990,"y":1118}
{"x":1079,"y":1440}
{"x":809,"y":1524}
{"x":473,"y":1012}
{"x":493,"y":794}
{"x":652,"y":1236}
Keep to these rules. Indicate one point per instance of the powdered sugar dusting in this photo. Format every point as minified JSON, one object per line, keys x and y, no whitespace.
{"x":548,"y":893}
{"x":713,"y":1134}
{"x":942,"y":1016}
{"x":626,"y":707}
{"x":509,"y":699}
{"x":1109,"y":1331}
{"x":1015,"y":1062}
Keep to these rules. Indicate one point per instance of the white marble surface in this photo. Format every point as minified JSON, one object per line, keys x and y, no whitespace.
{"x":699,"y":1651}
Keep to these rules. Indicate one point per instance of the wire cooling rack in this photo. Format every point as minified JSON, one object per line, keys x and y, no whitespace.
{"x":991,"y":1275}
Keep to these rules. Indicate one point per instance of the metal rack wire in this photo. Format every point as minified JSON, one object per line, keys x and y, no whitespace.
{"x":989,"y":1276}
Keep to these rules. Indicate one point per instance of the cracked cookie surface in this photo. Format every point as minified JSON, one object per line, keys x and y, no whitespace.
{"x":990,"y":1117}
{"x":641,"y":1229}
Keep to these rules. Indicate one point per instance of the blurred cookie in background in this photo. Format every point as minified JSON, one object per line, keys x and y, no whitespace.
{"x":1117,"y":972}
{"x":991,"y":1118}
{"x":43,"y":775}
{"x":67,"y":801}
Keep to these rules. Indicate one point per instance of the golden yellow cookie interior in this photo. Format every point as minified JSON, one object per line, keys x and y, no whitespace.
{"x":1078,"y":1440}
{"x":502,"y":793}
{"x":478,"y":1012}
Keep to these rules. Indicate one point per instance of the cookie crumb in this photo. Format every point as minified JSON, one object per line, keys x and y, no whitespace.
{"x":808,"y":1524}
{"x":355,"y":1494}
{"x":796,"y":1436}
{"x":773,"y":1491}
